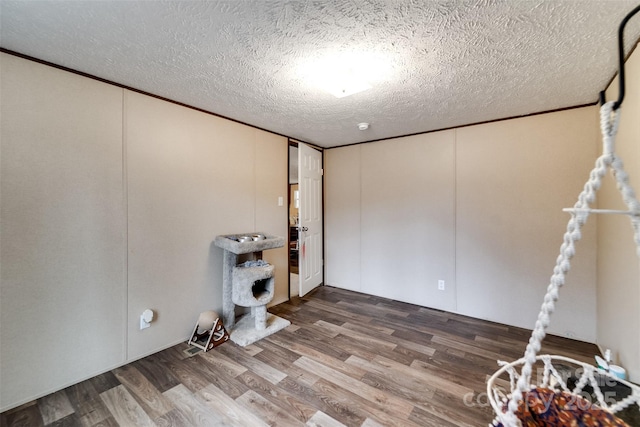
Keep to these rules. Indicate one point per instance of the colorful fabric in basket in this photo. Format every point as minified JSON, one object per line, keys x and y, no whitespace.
{"x":550,"y":408}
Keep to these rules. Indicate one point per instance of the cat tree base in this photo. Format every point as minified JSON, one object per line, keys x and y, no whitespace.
{"x":244,"y":332}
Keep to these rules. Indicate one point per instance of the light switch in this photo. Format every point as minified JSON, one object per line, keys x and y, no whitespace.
{"x":280,"y":201}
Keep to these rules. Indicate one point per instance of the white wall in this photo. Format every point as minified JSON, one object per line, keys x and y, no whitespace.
{"x":62,"y":235}
{"x":192,"y":176}
{"x":618,"y":274}
{"x":479,"y":207}
{"x":110,"y":202}
{"x":407,"y":219}
{"x":513,"y":179}
{"x":271,"y":182}
{"x":342,"y":216}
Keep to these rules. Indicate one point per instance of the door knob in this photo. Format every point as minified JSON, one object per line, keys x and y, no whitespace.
{"x":304,"y":228}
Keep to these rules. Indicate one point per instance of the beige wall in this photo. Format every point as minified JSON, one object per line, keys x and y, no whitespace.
{"x":407,"y":219}
{"x":192,"y":176}
{"x":110,"y":202}
{"x":513,"y":179}
{"x":479,"y":207}
{"x":342,"y":210}
{"x":62,"y":257}
{"x":618,"y":274}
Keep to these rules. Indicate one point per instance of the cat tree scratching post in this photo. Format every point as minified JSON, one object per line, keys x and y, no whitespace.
{"x":248,"y":286}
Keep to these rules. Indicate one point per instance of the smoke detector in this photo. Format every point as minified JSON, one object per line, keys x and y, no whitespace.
{"x":363,"y":126}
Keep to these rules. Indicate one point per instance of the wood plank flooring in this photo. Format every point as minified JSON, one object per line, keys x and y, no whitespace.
{"x":348,"y":359}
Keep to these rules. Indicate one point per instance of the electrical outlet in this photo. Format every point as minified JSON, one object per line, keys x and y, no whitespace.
{"x":441,"y":285}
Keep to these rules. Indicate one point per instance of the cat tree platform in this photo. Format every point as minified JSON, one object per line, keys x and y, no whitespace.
{"x":249,"y":285}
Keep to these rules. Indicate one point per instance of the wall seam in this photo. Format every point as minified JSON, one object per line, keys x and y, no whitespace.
{"x":360,"y":217}
{"x":455,"y":220}
{"x":125,"y":202}
{"x":255,"y":183}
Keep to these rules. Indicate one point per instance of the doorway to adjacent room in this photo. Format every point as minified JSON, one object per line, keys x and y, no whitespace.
{"x":305,"y":219}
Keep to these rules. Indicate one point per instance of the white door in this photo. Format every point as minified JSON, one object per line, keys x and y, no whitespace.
{"x":310,"y":229}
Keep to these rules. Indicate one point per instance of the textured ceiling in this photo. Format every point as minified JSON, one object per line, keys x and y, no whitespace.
{"x":442,"y":63}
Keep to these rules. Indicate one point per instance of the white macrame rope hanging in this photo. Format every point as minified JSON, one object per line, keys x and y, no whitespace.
{"x":609,"y":119}
{"x":552,"y":377}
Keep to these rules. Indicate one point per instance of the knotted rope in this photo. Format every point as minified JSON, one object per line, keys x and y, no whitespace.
{"x":609,"y":120}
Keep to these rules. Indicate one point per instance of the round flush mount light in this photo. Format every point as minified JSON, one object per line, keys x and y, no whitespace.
{"x":363,"y":126}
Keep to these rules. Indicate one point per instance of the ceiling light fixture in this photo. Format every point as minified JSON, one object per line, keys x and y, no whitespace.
{"x":347,"y":85}
{"x":363,"y":126}
{"x":346,"y":73}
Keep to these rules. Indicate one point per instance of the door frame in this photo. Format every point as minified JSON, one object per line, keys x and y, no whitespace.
{"x":294,"y":143}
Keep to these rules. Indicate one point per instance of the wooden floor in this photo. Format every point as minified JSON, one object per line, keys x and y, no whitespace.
{"x":347,"y":359}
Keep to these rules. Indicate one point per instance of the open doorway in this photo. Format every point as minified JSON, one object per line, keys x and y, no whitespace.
{"x":294,"y":220}
{"x":305,"y":218}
